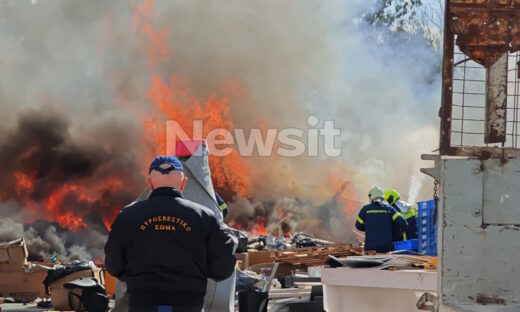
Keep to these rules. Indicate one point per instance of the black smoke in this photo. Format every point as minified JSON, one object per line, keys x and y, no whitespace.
{"x":44,"y":145}
{"x":41,"y":146}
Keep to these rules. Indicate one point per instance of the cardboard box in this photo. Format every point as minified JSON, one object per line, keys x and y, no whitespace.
{"x":243,"y":257}
{"x":4,"y":255}
{"x":60,"y":295}
{"x":14,"y":252}
{"x":16,"y":283}
{"x":17,"y":278}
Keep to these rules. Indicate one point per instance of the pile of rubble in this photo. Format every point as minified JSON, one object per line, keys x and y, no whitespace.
{"x":284,"y":271}
{"x":45,"y":286}
{"x":274,"y":272}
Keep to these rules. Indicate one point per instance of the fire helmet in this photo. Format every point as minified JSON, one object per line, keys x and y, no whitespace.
{"x":375,"y":193}
{"x":391,"y":196}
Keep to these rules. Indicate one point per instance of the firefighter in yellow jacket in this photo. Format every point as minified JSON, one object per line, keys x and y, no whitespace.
{"x":406,"y":210}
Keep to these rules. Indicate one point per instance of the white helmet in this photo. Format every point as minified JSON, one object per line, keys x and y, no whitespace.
{"x":376,"y":193}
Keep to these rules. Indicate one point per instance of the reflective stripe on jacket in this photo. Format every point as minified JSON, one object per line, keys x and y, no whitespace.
{"x":377,"y":220}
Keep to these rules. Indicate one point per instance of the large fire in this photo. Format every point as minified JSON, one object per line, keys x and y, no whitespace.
{"x":175,"y":102}
{"x":56,"y":204}
{"x":55,"y":191}
{"x":69,"y":187}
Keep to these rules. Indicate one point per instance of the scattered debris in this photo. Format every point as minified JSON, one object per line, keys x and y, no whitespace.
{"x":384,"y":262}
{"x":315,"y":256}
{"x":61,"y":275}
{"x":284,"y":242}
{"x":24,"y":282}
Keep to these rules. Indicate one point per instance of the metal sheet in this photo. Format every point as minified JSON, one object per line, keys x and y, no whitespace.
{"x":485,"y":152}
{"x":501,"y":192}
{"x":496,"y":101}
{"x":475,"y":260}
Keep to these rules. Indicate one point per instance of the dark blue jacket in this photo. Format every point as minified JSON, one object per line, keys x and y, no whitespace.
{"x":377,"y":220}
{"x":411,"y":233}
{"x":166,"y":247}
{"x":411,"y":219}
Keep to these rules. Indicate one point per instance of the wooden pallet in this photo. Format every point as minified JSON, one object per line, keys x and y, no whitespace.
{"x":314,"y":256}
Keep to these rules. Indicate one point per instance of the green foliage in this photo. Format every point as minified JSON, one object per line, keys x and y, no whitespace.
{"x":394,"y":14}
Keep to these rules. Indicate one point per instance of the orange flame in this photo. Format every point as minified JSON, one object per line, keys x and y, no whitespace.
{"x":56,"y":204}
{"x":258,"y":228}
{"x":345,"y":194}
{"x":253,"y":228}
{"x":282,"y":214}
{"x":175,"y":102}
{"x":156,"y":47}
{"x":24,"y":182}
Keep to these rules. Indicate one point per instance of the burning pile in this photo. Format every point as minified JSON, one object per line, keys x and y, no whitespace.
{"x":76,"y":184}
{"x":74,"y":156}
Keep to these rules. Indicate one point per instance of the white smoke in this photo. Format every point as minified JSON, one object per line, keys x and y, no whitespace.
{"x":10,"y":230}
{"x":289,"y":60}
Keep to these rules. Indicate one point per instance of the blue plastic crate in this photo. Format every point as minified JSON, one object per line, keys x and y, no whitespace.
{"x":429,"y":231}
{"x":426,"y":219}
{"x":425,"y":238}
{"x":410,"y":244}
{"x":428,"y":250}
{"x":426,"y":229}
{"x":426,"y":212}
{"x":427,"y":234}
{"x":426,"y":208}
{"x":424,"y":244}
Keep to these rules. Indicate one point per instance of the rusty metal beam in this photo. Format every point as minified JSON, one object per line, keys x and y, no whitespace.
{"x":447,"y":85}
{"x":485,"y":29}
{"x":496,"y":101}
{"x":484,"y":152}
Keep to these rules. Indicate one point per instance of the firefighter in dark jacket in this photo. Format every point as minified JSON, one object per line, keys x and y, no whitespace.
{"x":377,"y":219}
{"x":406,"y":210}
{"x":166,"y":247}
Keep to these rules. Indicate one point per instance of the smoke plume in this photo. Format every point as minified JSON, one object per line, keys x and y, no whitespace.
{"x":86,"y":88}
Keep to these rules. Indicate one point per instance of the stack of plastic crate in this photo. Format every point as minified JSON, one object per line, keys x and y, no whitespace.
{"x":410,"y":245}
{"x":426,"y":228}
